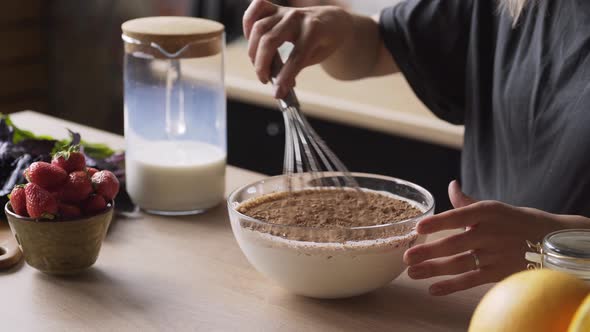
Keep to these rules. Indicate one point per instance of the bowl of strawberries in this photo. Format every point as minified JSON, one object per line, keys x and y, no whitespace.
{"x":61,"y":216}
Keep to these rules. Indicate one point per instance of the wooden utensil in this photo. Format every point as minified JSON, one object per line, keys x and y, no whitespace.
{"x":10,"y":253}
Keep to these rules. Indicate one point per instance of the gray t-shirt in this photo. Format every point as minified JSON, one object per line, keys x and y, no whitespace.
{"x":523,"y":93}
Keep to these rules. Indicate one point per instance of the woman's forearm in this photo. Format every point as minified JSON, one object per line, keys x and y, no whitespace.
{"x":574,"y":221}
{"x":362,"y":54}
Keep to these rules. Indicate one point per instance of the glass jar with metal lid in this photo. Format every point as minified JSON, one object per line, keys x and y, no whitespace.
{"x":565,"y":250}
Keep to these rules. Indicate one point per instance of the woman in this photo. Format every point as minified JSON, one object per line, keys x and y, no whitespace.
{"x":516,"y":76}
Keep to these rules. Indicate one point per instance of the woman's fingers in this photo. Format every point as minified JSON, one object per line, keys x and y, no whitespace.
{"x":496,"y":232}
{"x":464,"y":217}
{"x":258,"y":9}
{"x":451,"y":219}
{"x":316,"y":32}
{"x":260,"y":27}
{"x":296,"y":62}
{"x":465,"y":281}
{"x":447,"y":246}
{"x":457,"y":196}
{"x":288,"y":29}
{"x":457,"y":264}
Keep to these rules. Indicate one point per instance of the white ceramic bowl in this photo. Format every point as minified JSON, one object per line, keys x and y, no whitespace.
{"x":310,"y":265}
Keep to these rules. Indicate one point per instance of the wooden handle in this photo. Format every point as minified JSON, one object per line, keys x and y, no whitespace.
{"x":10,"y":253}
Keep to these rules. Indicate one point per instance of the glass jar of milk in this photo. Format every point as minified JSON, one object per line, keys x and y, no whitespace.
{"x":175,"y":114}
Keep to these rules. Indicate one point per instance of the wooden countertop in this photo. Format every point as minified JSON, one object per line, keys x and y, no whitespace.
{"x":177,"y":274}
{"x":385,"y":104}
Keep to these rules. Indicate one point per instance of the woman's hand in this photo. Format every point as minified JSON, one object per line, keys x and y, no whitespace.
{"x":494,"y":233}
{"x":316,"y":33}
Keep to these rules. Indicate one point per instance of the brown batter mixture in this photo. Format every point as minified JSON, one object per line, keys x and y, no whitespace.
{"x":323,"y":208}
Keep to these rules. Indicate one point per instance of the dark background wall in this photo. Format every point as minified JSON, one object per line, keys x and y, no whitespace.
{"x":24,"y":69}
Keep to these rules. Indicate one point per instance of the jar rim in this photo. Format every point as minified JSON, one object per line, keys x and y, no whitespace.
{"x":568,"y":244}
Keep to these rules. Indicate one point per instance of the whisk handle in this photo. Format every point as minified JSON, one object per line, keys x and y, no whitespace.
{"x":290,"y":100}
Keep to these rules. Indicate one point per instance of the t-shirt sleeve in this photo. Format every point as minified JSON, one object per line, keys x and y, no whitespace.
{"x":428,"y":40}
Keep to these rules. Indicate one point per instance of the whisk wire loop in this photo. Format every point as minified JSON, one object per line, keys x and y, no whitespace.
{"x":305,"y":151}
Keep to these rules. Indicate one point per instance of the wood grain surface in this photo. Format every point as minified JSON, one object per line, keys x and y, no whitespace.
{"x":10,"y":253}
{"x":188,"y":274}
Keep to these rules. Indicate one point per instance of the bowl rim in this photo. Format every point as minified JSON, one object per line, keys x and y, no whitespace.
{"x":421,"y":189}
{"x":8,"y":210}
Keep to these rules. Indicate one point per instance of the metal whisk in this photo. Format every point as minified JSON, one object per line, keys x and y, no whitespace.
{"x":305,"y":151}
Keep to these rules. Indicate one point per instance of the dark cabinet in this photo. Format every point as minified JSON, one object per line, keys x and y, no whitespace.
{"x":23,"y":57}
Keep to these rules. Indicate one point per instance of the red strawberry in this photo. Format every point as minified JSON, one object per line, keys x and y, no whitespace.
{"x":76,"y":188}
{"x":93,"y":204}
{"x":40,"y":202}
{"x":45,"y":175}
{"x":69,"y":211}
{"x":70,"y":160}
{"x":91,"y":171}
{"x":106,"y":184}
{"x":57,"y":193}
{"x":18,"y":201}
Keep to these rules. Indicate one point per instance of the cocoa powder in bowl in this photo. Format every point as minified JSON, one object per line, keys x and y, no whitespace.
{"x":326,"y":215}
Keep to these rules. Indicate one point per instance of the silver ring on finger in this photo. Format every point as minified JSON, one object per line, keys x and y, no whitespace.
{"x":475,"y":259}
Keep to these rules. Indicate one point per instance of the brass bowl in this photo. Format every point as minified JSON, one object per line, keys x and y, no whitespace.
{"x":60,"y":247}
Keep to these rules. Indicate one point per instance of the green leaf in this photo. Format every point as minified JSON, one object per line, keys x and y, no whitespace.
{"x":94,"y":150}
{"x":21,"y":134}
{"x":97,"y":150}
{"x":60,"y":145}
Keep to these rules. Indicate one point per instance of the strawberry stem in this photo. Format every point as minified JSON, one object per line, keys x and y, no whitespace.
{"x":47,"y":216}
{"x":67,"y":152}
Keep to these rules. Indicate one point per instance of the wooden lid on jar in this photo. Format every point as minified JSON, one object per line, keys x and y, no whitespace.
{"x":199,"y":37}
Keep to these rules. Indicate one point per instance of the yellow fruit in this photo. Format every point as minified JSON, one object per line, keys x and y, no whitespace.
{"x":581,"y":321}
{"x":534,"y":300}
